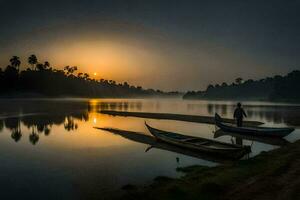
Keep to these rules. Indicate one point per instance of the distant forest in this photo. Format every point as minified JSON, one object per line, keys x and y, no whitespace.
{"x":277,"y":88}
{"x":41,"y":79}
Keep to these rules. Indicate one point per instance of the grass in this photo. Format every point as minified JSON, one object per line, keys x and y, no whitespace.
{"x":273,"y":174}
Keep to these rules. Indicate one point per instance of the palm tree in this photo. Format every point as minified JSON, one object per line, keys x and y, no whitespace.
{"x":32,"y":60}
{"x":15,"y":62}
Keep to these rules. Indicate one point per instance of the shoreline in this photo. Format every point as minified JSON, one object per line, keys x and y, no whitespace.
{"x":178,"y":117}
{"x":270,"y":175}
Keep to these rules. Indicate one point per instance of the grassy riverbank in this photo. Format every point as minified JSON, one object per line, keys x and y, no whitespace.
{"x":270,"y":175}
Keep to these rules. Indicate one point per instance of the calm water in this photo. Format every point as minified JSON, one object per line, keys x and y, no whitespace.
{"x":49,"y":148}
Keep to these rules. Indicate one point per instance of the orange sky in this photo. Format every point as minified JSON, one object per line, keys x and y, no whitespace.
{"x":109,"y":59}
{"x":140,"y":55}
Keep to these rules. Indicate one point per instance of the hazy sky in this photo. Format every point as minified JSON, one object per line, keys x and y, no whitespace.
{"x":166,"y":44}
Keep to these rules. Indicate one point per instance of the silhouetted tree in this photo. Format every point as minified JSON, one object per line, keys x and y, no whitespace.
{"x":10,"y":77}
{"x":86,"y":76}
{"x":224,"y":84}
{"x":284,"y":88}
{"x":80,"y":75}
{"x":40,"y":67}
{"x":32,"y":60}
{"x":46,"y":65}
{"x":58,"y":82}
{"x":209,"y":87}
{"x":15,"y":62}
{"x":239,"y":81}
{"x":70,"y":70}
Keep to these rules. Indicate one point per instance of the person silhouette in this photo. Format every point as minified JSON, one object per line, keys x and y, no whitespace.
{"x":239,"y":114}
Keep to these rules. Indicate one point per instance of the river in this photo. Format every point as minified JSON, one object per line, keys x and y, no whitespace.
{"x":50,"y":150}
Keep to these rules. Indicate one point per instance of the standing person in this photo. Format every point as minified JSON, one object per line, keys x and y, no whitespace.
{"x":239,"y":114}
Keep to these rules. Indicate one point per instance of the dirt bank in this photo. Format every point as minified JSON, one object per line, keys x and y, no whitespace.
{"x":270,"y":175}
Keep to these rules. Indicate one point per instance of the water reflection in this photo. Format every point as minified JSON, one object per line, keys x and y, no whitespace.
{"x":16,"y":135}
{"x":120,"y":106}
{"x":33,"y":137}
{"x":41,"y":123}
{"x":55,"y":140}
{"x":153,"y":143}
{"x":70,"y":124}
{"x":40,"y":116}
{"x":239,"y":138}
{"x":277,"y":114}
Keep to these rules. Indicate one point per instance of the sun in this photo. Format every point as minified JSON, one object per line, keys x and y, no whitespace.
{"x":95,"y":73}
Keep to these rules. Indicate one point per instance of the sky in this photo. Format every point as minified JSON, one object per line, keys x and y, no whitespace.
{"x":168,"y":44}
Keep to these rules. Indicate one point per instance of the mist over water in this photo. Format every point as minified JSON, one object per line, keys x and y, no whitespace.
{"x":49,"y":148}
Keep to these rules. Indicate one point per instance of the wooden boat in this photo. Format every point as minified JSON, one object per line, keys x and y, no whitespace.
{"x":257,"y":131}
{"x":200,"y":144}
{"x":155,"y":144}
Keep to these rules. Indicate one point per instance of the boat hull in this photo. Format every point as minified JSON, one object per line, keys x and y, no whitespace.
{"x":229,"y":150}
{"x":258,"y":131}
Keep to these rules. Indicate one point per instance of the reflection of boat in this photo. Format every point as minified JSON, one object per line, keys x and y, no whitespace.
{"x":153,"y":143}
{"x":200,"y":144}
{"x":267,"y":140}
{"x":257,"y":131}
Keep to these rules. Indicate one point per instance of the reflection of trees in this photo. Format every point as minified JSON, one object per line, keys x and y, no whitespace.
{"x":41,"y":124}
{"x":69,"y":124}
{"x":269,"y":113}
{"x":51,"y":113}
{"x":1,"y":125}
{"x":125,"y":106}
{"x":13,"y":124}
{"x":276,"y":114}
{"x":16,"y":135}
{"x":210,"y":108}
{"x":33,"y":137}
{"x":224,"y":109}
{"x":217,"y":108}
{"x":47,"y":131}
{"x":117,"y":106}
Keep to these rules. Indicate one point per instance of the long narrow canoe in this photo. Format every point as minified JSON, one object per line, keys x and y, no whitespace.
{"x":200,"y":144}
{"x":257,"y":131}
{"x":153,"y":143}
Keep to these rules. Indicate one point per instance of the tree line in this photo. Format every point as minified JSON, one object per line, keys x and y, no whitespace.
{"x":276,"y":88}
{"x":40,"y":78}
